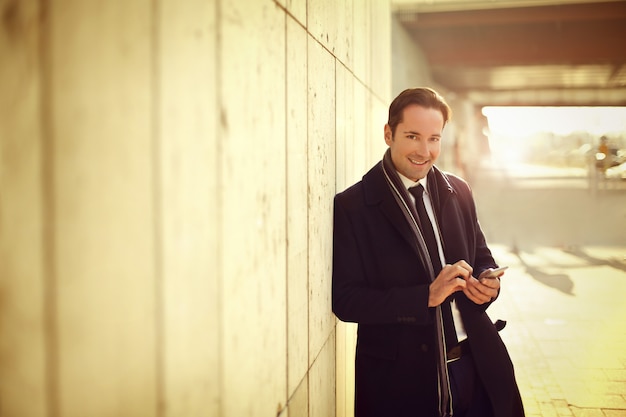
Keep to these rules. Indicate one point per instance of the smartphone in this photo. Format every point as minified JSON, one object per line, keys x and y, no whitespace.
{"x":493,"y":274}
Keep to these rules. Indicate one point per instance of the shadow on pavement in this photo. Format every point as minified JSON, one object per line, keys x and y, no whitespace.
{"x":560,"y":282}
{"x":594,"y":261}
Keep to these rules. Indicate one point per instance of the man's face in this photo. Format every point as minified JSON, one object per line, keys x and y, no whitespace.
{"x":416,"y":143}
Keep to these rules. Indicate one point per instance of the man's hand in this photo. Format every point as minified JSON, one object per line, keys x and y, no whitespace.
{"x":483,"y":289}
{"x":452,"y":278}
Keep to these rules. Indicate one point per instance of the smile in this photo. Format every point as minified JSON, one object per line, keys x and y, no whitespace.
{"x":415,"y":162}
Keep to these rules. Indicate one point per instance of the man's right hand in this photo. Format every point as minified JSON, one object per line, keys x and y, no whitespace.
{"x":450,"y":280}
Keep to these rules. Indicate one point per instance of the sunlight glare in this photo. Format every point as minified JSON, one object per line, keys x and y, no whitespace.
{"x":531,"y":135}
{"x":523,"y":121}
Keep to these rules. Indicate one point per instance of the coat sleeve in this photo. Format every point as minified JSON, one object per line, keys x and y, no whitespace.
{"x":354,"y":297}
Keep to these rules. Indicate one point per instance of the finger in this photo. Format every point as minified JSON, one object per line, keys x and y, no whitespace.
{"x":459,"y":284}
{"x":475,"y":296}
{"x":490,"y":293}
{"x":453,"y":284}
{"x":491,"y":283}
{"x":488,"y":290}
{"x":465,"y":266}
{"x":460,"y":270}
{"x":480,"y":291}
{"x":447,"y":271}
{"x":453,"y":275}
{"x":442,"y":287}
{"x":483,"y":294}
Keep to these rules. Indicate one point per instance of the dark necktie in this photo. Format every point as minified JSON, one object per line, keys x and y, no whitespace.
{"x":433,"y":251}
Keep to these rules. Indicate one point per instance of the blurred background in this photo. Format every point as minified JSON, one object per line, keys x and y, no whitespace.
{"x":167,"y":170}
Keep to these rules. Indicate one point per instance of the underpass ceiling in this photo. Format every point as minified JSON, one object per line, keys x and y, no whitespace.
{"x":523,"y":52}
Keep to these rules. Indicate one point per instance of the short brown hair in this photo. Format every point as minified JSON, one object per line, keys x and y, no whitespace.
{"x":422,"y":96}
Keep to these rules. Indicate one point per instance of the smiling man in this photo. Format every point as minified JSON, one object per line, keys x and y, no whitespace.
{"x":411,"y":266}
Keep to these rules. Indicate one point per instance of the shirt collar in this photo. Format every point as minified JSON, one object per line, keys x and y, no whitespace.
{"x":408,"y":183}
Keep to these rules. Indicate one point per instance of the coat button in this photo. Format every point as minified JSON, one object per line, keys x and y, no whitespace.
{"x":424,"y":347}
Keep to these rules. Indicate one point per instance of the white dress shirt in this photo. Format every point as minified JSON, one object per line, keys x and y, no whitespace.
{"x":461,"y":334}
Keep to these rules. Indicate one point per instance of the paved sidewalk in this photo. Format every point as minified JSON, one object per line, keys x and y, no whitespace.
{"x":566,"y":331}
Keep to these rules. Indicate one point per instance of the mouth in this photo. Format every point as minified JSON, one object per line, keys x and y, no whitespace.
{"x":418,"y":163}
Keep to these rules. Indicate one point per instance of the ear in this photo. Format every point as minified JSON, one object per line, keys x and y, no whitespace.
{"x":388,"y":135}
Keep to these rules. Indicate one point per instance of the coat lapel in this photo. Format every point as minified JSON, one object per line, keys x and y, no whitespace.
{"x":448,"y":214}
{"x":377,"y":193}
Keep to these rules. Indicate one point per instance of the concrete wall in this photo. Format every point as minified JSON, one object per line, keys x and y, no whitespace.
{"x":167,"y":171}
{"x":410,"y":66}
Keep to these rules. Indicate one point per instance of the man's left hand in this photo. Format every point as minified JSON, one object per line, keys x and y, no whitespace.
{"x":482,"y":290}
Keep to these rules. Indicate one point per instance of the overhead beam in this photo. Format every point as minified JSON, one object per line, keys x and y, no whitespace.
{"x":587,"y":42}
{"x":554,"y":97}
{"x":517,"y":16}
{"x":430,"y":6}
{"x":519,"y":78}
{"x":573,"y":34}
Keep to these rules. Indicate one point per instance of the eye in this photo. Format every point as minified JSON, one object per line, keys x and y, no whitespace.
{"x":435,"y":139}
{"x":411,"y":137}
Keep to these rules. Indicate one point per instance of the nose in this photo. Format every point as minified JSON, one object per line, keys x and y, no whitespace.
{"x":421,"y":147}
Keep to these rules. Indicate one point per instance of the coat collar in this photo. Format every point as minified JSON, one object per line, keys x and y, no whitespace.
{"x":376,"y":189}
{"x":376,"y":192}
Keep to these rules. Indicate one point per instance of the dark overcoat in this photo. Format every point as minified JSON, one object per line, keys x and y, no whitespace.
{"x":380,"y":283}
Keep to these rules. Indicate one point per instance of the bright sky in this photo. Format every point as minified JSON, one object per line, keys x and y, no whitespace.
{"x":523,"y":121}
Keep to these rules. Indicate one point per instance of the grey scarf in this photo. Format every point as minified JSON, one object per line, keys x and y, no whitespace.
{"x":407,"y":207}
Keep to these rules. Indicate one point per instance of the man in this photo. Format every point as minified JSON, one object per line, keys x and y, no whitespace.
{"x":405,"y":264}
{"x":603,"y":157}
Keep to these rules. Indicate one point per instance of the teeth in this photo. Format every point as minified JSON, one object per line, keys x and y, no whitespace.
{"x":417,"y":162}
